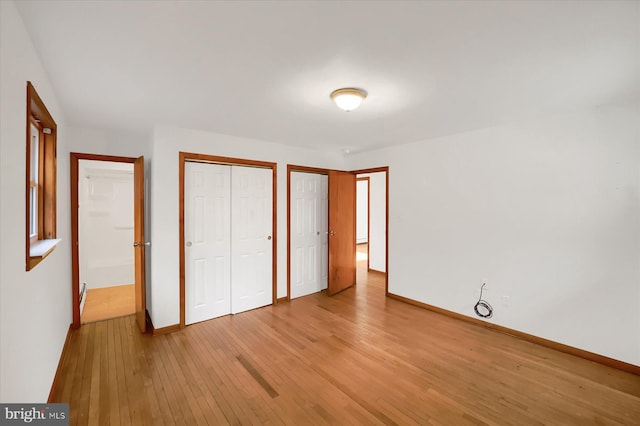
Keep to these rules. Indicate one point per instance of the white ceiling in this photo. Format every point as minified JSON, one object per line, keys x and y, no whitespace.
{"x":265,"y":69}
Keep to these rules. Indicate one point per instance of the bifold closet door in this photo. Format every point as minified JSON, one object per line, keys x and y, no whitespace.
{"x":251,"y":238}
{"x":207,"y":204}
{"x":309,"y":249}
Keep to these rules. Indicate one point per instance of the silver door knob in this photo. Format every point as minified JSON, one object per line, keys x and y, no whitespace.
{"x":189,"y":244}
{"x":269,"y":237}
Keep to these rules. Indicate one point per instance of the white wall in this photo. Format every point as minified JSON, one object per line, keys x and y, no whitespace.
{"x":105,"y":223}
{"x":108,"y":142}
{"x":378,"y":218}
{"x":546,"y":210}
{"x":362,"y":211}
{"x":168,"y":142}
{"x":35,"y":306}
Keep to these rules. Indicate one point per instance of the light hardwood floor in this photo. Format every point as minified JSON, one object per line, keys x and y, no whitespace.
{"x":109,"y":302}
{"x":355,"y":358}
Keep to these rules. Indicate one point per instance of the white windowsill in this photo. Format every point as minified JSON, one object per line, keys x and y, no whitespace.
{"x":41,"y":248}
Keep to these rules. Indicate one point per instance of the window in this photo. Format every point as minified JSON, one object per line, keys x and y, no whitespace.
{"x":33,"y":181}
{"x":41,"y":180}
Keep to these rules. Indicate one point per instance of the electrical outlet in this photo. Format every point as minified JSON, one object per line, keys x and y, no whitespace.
{"x":506,"y":301}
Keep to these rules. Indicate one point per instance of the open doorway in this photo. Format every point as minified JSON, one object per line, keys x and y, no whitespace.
{"x":371,"y":227}
{"x":371,"y":217}
{"x":105,"y":232}
{"x":103,"y":236}
{"x":362,"y":221}
{"x":362,"y":229}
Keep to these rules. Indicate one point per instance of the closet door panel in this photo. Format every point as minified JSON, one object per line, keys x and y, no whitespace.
{"x":208,"y":241}
{"x":251,"y":238}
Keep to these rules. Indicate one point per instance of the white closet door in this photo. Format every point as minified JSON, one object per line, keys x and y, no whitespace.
{"x":208,"y":241}
{"x":251,"y":231}
{"x":324,"y":231}
{"x":307,"y":233}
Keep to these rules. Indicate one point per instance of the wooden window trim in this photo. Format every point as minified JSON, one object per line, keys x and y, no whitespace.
{"x":40,"y":246}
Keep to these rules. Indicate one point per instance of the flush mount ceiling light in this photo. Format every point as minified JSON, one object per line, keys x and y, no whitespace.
{"x":348,"y":99}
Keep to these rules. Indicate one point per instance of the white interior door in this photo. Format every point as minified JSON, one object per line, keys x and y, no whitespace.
{"x":308,"y":228}
{"x":208,"y":241}
{"x":251,"y":232}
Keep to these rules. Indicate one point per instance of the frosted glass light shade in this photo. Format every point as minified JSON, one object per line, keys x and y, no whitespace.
{"x":348,"y":99}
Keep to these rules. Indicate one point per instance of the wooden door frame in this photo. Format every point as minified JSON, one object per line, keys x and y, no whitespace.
{"x":74,"y":164}
{"x":302,"y":169}
{"x":184,"y":157}
{"x":384,"y":169}
{"x":365,"y":179}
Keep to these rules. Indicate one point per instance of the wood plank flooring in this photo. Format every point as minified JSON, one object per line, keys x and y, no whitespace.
{"x":355,"y":358}
{"x":109,"y":302}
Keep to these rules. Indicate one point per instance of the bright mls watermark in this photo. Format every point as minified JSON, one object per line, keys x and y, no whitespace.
{"x":34,"y":414}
